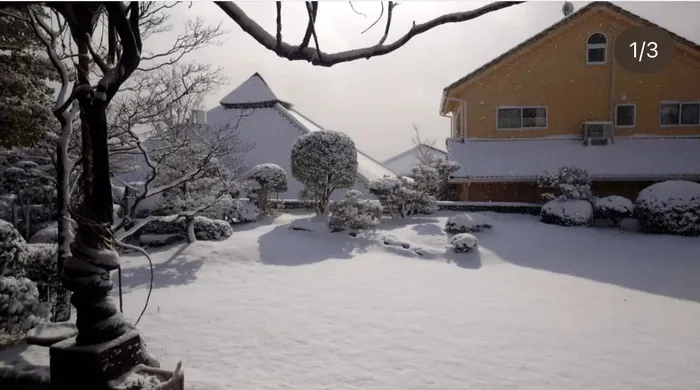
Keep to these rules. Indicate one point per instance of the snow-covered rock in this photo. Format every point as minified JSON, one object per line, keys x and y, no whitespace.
{"x":612,"y":209}
{"x":567,"y":212}
{"x":468,"y":223}
{"x":314,"y":224}
{"x":670,"y":207}
{"x":463,"y":242}
{"x":392,"y":240}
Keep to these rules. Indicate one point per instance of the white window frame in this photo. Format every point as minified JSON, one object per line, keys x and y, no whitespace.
{"x":680,"y":103}
{"x":604,"y":46}
{"x":546,"y":118}
{"x":634,"y":117}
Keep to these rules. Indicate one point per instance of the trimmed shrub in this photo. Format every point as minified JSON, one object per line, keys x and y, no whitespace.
{"x":567,"y":212}
{"x":463,"y":242}
{"x":670,"y":207}
{"x":269,"y":179}
{"x":13,"y":251}
{"x":566,"y":183}
{"x":612,"y":209}
{"x":354,"y":213}
{"x":467,"y":223}
{"x":206,"y":229}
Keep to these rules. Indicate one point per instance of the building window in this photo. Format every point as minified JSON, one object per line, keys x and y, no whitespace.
{"x":679,"y":114}
{"x":625,"y":115}
{"x":597,"y":46}
{"x":516,"y":118}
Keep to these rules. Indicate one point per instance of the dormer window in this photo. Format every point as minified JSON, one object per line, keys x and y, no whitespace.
{"x":597,"y":46}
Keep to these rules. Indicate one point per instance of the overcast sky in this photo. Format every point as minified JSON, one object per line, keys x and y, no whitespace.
{"x":375,"y":101}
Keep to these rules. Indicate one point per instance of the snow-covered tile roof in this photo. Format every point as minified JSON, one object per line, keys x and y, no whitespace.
{"x":627,"y":158}
{"x":253,"y":91}
{"x":368,"y":168}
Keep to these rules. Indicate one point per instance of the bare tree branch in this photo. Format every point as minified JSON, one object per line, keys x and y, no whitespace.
{"x":356,"y":11}
{"x":310,"y":27}
{"x":377,"y":20}
{"x":278,"y":5}
{"x":315,"y":57}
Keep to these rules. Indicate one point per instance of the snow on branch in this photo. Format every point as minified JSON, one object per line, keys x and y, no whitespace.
{"x":316,"y":57}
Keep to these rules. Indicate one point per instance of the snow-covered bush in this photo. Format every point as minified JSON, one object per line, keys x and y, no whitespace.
{"x":463,"y":242}
{"x":269,"y":179}
{"x":612,"y":209}
{"x":567,"y":212}
{"x":354,"y":213}
{"x":244,"y":211}
{"x":20,"y":308}
{"x":403,"y":196}
{"x":324,"y":161}
{"x":208,"y":229}
{"x":670,"y":207}
{"x":42,"y":270}
{"x":13,"y":251}
{"x":204,"y":228}
{"x":566,"y":183}
{"x":468,"y":223}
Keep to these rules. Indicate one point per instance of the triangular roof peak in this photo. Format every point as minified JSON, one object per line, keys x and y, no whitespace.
{"x":252,"y":93}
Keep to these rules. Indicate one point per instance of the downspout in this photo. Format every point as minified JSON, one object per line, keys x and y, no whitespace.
{"x":611,"y":99}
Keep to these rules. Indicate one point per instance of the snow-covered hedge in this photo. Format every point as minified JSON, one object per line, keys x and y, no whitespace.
{"x":204,"y":228}
{"x":41,"y":262}
{"x":13,"y":251}
{"x":671,"y":207}
{"x":324,"y":161}
{"x":354,"y":213}
{"x":269,"y":179}
{"x":468,"y":223}
{"x":566,"y":183}
{"x":567,"y":212}
{"x":403,"y":196}
{"x":613,"y":209}
{"x":463,"y":242}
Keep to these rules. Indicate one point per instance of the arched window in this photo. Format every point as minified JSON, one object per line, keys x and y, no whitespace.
{"x":597,"y":46}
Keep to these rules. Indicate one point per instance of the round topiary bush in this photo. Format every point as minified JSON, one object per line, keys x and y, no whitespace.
{"x":670,"y":207}
{"x":567,"y":212}
{"x":613,"y":209}
{"x":463,"y":242}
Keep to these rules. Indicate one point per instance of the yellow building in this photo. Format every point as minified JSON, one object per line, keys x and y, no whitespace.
{"x":561,"y":98}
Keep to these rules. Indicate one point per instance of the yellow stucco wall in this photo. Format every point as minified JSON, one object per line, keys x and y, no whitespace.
{"x":553,"y":72}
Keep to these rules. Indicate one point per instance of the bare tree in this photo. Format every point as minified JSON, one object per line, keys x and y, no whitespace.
{"x":426,"y":149}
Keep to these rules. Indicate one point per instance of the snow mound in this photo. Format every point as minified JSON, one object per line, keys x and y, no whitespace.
{"x":463,"y":242}
{"x":670,"y":207}
{"x":468,"y":223}
{"x":392,"y":240}
{"x":50,"y":333}
{"x":567,"y":212}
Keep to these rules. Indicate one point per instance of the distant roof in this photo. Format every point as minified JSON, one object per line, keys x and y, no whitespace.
{"x":252,"y":93}
{"x":553,"y":27}
{"x":413,"y":149}
{"x":628,"y":158}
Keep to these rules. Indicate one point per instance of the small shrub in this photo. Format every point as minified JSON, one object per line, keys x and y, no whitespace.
{"x":567,"y":212}
{"x":42,"y":269}
{"x":20,"y":308}
{"x":404,"y":196}
{"x":13,"y":251}
{"x":612,"y":209}
{"x":354,"y":213}
{"x":463,"y":242}
{"x":269,"y":179}
{"x":566,"y":183}
{"x":206,"y":229}
{"x":245,"y":211}
{"x":467,"y":223}
{"x":670,"y":207}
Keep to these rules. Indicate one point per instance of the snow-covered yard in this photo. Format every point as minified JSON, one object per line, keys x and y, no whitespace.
{"x":537,"y":307}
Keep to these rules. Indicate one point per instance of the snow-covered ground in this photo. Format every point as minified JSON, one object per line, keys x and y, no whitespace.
{"x":538,"y":307}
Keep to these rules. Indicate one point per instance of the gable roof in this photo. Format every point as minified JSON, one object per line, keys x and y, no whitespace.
{"x":627,"y":158}
{"x":564,"y":21}
{"x":252,"y":93}
{"x":412,"y":150}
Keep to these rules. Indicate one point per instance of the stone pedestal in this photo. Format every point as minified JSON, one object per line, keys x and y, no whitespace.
{"x":91,"y":367}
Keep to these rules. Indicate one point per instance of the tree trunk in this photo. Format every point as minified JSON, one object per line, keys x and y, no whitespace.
{"x":62,"y":307}
{"x":191,"y":237}
{"x":87,"y":272}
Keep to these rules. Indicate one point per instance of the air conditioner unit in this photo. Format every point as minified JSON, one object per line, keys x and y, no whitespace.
{"x":597,"y":133}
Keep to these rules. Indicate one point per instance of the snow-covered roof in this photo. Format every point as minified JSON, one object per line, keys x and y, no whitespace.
{"x":415,"y":150}
{"x":628,"y":158}
{"x":252,"y":93}
{"x":367,"y":168}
